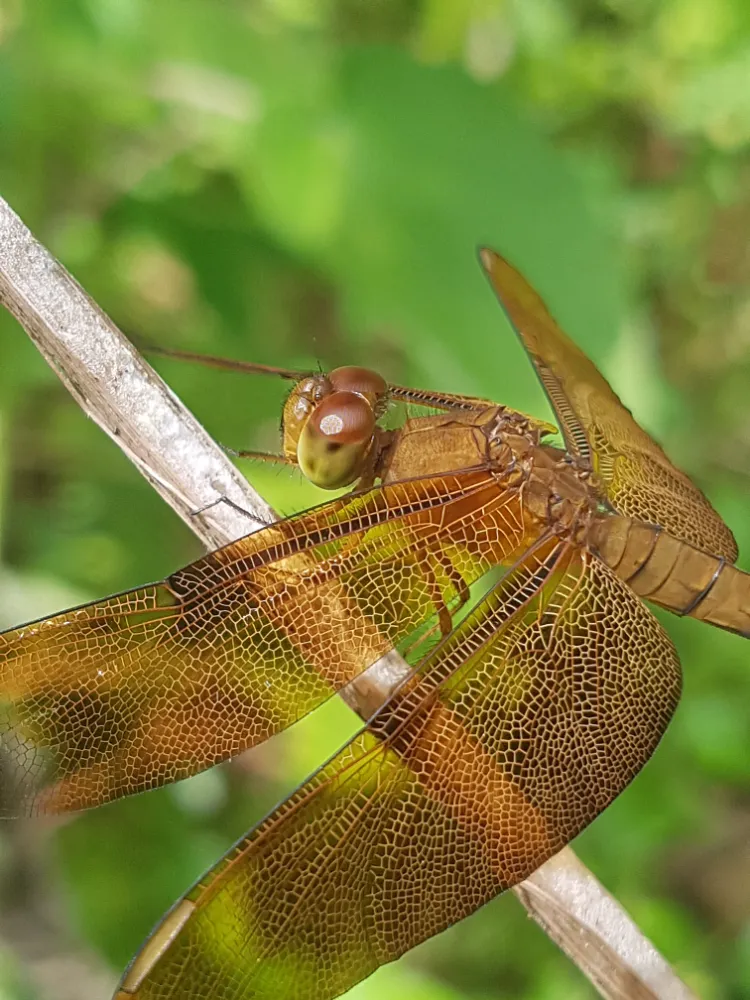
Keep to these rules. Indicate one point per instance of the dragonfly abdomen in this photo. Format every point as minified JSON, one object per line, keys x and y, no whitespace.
{"x":674,"y":573}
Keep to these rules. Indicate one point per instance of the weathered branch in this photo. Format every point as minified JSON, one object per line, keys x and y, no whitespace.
{"x":118,"y":390}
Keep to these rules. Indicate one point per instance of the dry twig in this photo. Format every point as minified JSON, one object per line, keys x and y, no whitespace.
{"x":118,"y":390}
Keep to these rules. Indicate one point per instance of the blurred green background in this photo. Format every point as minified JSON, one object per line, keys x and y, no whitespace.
{"x":304,"y":181}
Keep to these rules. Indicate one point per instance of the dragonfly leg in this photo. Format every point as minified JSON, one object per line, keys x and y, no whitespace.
{"x":233,"y":505}
{"x":445,"y":615}
{"x":262,"y":456}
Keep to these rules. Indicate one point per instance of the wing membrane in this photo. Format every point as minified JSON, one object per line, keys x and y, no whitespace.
{"x":156,"y":684}
{"x":513,"y":734}
{"x":637,"y":476}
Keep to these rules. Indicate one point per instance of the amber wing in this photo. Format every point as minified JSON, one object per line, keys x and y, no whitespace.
{"x":512,"y":735}
{"x":159,"y":683}
{"x":637,"y":476}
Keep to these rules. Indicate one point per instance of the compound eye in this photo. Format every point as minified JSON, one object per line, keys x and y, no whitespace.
{"x":336,"y":440}
{"x":366,"y":382}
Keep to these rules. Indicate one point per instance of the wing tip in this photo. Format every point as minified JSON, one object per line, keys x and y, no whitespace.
{"x":487,"y":258}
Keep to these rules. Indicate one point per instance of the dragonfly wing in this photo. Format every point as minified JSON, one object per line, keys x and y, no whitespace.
{"x":159,"y":683}
{"x":636,"y":475}
{"x":512,"y":735}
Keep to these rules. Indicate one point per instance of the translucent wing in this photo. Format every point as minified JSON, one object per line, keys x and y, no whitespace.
{"x":159,"y":683}
{"x":637,"y":476}
{"x":513,"y":734}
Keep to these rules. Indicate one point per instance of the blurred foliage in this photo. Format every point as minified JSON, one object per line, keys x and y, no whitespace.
{"x":303,"y":181}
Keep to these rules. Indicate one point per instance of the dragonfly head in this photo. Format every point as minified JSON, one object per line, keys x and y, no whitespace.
{"x":329,"y":424}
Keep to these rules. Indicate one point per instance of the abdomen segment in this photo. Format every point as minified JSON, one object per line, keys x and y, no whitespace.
{"x":674,"y":573}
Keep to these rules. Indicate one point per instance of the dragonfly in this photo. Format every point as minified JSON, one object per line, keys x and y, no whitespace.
{"x":510,"y":574}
